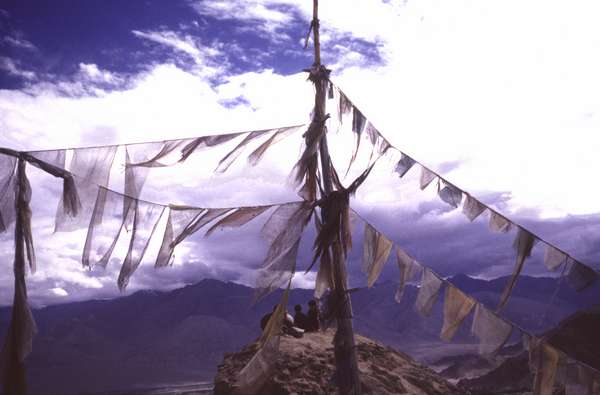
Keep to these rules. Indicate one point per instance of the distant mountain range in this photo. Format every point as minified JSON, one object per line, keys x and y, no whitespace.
{"x":151,"y":337}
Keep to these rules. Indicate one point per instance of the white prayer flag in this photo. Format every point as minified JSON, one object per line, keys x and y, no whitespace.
{"x":553,"y":257}
{"x":457,"y":306}
{"x":450,"y":194}
{"x":404,"y":165}
{"x":408,"y":270}
{"x":472,"y":208}
{"x":426,"y":177}
{"x":499,"y":223}
{"x":376,"y":250}
{"x":491,"y":330}
{"x":428,"y":292}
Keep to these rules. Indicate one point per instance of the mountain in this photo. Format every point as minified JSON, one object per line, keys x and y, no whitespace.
{"x":150,"y":337}
{"x":306,"y":366}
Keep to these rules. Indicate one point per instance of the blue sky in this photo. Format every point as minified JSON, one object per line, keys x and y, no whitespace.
{"x":502,"y":99}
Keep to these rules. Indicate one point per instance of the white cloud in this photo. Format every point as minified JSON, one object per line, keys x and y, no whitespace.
{"x":59,"y":291}
{"x":13,"y":68}
{"x":268,"y":18}
{"x":19,"y":42}
{"x":202,"y":55}
{"x":93,"y":73}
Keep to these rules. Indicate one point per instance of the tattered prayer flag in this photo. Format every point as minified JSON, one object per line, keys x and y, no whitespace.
{"x":544,"y":359}
{"x":277,"y":136}
{"x":7,"y":190}
{"x":358,"y":120}
{"x":206,"y":141}
{"x":260,"y":367}
{"x":232,"y":155}
{"x":345,"y":105}
{"x":376,"y":250}
{"x":372,"y":133}
{"x":404,"y":165}
{"x":498,"y":223}
{"x":169,"y":154}
{"x":105,"y":227}
{"x":428,"y":292}
{"x":177,"y":229}
{"x":237,"y":218}
{"x":450,"y":194}
{"x":472,"y":208}
{"x":145,"y":220}
{"x":491,"y":330}
{"x":324,"y":279}
{"x":523,"y":244}
{"x":581,"y":276}
{"x":91,"y":168}
{"x":426,"y":177}
{"x":457,"y":306}
{"x":553,"y":257}
{"x":409,"y":268}
{"x":283,"y":230}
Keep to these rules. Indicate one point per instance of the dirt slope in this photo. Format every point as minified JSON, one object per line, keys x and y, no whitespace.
{"x":306,"y":366}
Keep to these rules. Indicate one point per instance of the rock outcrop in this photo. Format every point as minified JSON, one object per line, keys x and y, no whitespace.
{"x":306,"y":366}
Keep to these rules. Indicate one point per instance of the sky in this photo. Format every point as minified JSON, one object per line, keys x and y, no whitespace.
{"x":500,"y":98}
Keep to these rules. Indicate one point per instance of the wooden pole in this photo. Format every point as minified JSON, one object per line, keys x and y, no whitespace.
{"x":346,"y":373}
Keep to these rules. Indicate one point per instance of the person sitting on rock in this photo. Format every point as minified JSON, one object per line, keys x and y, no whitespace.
{"x":287,"y":326}
{"x":265,"y":319}
{"x":300,"y":319}
{"x":312,"y":322}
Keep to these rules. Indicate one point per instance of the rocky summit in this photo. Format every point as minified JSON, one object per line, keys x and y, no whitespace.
{"x":306,"y":366}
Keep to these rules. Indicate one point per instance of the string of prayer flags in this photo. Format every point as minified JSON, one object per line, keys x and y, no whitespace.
{"x":581,"y":276}
{"x":457,"y":306}
{"x":523,"y":244}
{"x":427,"y":176}
{"x":499,"y":223}
{"x":428,"y":293}
{"x":283,"y":230}
{"x":409,"y":268}
{"x":404,"y":165}
{"x":472,"y":208}
{"x":90,"y":167}
{"x":450,"y":194}
{"x":491,"y":330}
{"x":376,"y":251}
